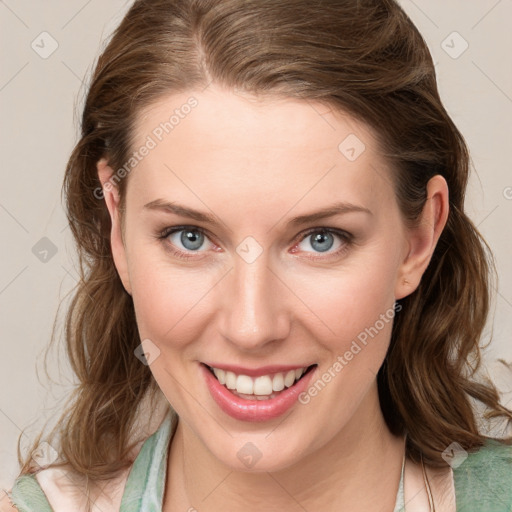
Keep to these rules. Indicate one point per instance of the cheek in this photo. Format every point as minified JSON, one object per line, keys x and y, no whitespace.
{"x":352,"y":297}
{"x":168,"y":301}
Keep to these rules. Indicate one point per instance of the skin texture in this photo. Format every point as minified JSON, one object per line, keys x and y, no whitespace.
{"x":255,"y":163}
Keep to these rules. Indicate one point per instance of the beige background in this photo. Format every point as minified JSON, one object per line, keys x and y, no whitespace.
{"x":38,"y":96}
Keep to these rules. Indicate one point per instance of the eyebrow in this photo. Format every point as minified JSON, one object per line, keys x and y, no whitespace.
{"x":208,"y":218}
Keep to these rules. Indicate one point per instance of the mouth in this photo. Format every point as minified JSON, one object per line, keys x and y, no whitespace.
{"x":256,"y":398}
{"x":263,"y":387}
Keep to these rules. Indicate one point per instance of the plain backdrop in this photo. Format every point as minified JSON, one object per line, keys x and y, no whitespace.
{"x":48,"y":49}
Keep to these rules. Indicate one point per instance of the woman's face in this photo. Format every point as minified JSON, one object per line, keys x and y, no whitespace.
{"x":262,"y":236}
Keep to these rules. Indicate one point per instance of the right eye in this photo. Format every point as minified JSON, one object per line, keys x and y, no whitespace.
{"x":184,"y":240}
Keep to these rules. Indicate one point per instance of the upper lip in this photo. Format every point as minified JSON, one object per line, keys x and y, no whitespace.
{"x":256,"y":372}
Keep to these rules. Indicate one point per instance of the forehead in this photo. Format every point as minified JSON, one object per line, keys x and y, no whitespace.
{"x":275,"y":149}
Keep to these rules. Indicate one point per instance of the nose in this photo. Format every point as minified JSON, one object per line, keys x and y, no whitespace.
{"x":254,"y":305}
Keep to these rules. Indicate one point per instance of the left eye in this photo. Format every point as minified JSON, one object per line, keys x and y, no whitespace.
{"x":321,"y":240}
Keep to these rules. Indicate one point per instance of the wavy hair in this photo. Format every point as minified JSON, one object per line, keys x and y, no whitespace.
{"x":366,"y":58}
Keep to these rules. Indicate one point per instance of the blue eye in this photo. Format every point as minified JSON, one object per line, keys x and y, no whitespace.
{"x":323,"y":240}
{"x":191,"y":239}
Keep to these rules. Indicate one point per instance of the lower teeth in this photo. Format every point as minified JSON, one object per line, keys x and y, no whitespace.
{"x":254,"y":397}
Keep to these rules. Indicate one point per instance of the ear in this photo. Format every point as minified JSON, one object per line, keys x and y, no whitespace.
{"x":423,"y":238}
{"x":112,"y":201}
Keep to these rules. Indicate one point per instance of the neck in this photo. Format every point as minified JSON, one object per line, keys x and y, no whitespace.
{"x":358,"y":469}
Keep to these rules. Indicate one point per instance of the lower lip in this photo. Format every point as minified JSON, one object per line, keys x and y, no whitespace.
{"x":254,"y":410}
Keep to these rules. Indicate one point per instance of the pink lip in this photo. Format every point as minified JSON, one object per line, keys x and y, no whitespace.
{"x":256,"y":372}
{"x":254,"y":410}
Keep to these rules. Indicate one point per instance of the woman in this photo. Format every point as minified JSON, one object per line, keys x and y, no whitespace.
{"x":279,"y":279}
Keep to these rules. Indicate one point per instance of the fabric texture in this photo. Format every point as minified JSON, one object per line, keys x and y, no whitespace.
{"x":483,"y":482}
{"x":399,"y":502}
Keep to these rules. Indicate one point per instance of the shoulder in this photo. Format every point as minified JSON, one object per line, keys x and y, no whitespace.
{"x":61,"y":490}
{"x":484,"y":478}
{"x":26,"y":495}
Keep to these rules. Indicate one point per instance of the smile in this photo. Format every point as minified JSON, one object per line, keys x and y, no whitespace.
{"x":259,"y":397}
{"x":259,"y":388}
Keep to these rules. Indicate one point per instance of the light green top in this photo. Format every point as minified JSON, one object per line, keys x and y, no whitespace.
{"x":483,"y":482}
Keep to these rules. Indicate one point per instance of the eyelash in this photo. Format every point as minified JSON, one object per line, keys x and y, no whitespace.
{"x":345,"y":237}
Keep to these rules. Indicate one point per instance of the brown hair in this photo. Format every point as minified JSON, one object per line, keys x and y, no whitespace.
{"x":365,"y":58}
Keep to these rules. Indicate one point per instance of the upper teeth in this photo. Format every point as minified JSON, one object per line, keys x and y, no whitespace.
{"x":263,"y":385}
